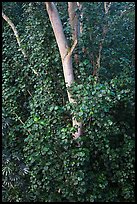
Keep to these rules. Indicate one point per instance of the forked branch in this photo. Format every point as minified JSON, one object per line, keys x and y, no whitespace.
{"x":107,"y":6}
{"x":73,"y":47}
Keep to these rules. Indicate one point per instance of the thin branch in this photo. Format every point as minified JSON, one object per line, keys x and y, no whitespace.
{"x":19,"y":119}
{"x":73,"y":19}
{"x":107,"y":6}
{"x":126,"y":12}
{"x":79,"y":6}
{"x":35,"y":72}
{"x":11,"y":24}
{"x":6,"y":18}
{"x":29,"y":93}
{"x":21,"y":122}
{"x":105,"y":30}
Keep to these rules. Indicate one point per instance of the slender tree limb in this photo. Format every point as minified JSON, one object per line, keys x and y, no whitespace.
{"x":21,"y":122}
{"x":107,"y":6}
{"x":79,"y":6}
{"x":73,"y":19}
{"x":11,"y":24}
{"x":6,"y":18}
{"x":75,"y":24}
{"x":80,"y":24}
{"x":105,"y":29}
{"x":29,"y":93}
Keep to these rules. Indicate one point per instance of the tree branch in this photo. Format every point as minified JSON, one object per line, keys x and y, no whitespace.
{"x":73,"y":19}
{"x":107,"y":7}
{"x":6,"y":18}
{"x":105,"y":29}
{"x":73,"y":47}
{"x":11,"y":24}
{"x":21,"y":122}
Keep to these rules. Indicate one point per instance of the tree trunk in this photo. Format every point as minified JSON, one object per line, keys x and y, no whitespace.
{"x":65,"y":53}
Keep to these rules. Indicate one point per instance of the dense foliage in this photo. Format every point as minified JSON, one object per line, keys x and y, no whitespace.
{"x":41,"y":161}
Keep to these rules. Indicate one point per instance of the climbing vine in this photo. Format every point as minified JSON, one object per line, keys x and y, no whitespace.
{"x":41,"y":160}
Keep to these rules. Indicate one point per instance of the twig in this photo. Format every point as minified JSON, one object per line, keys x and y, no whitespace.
{"x":22,"y":122}
{"x":29,"y":93}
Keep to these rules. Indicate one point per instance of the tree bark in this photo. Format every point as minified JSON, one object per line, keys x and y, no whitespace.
{"x":65,"y":53}
{"x":73,"y":19}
